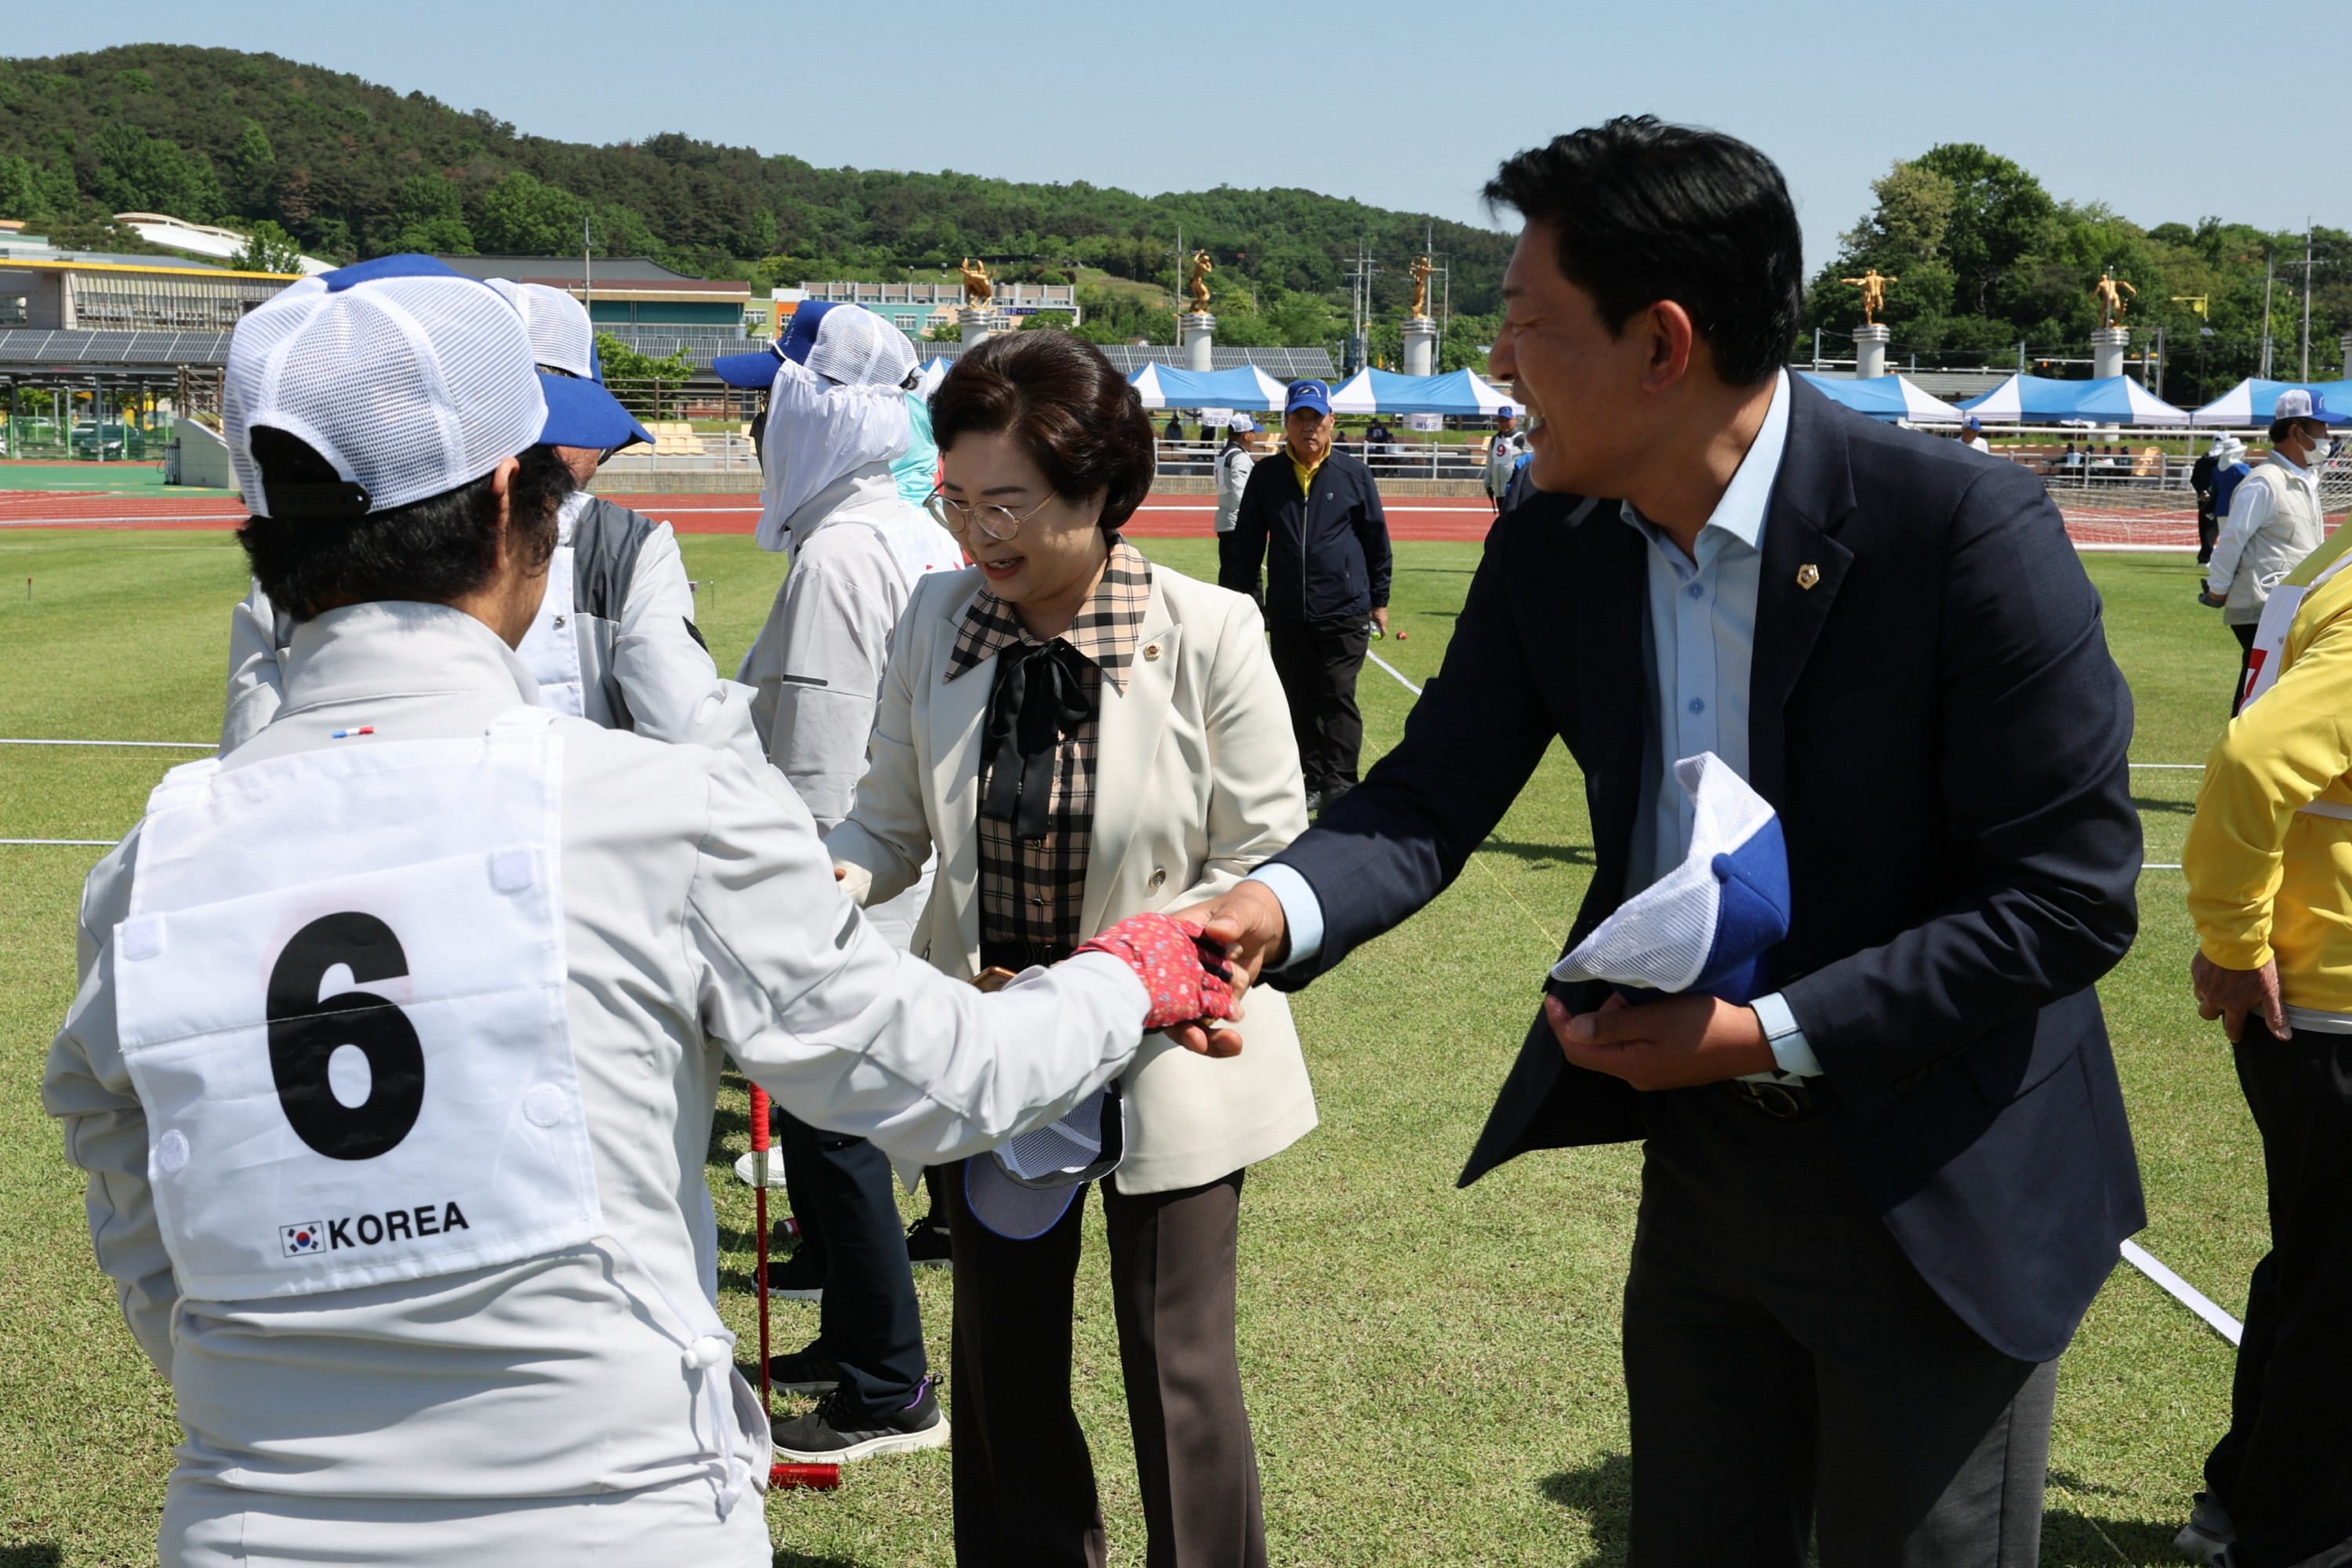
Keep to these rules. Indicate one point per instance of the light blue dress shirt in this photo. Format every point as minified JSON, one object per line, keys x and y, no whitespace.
{"x":1702,"y":615}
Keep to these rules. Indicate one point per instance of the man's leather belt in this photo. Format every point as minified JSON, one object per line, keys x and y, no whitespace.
{"x":1785,"y":1099}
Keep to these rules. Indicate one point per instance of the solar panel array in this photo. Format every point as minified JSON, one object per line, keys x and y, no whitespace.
{"x":26,"y":348}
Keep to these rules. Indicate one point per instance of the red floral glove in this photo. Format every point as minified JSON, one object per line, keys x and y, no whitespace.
{"x":1189,"y":980}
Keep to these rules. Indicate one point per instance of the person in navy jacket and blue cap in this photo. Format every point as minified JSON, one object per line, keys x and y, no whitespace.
{"x":1315,"y":526}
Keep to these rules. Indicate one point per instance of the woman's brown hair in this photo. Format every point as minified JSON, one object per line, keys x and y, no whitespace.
{"x":1063,"y":405}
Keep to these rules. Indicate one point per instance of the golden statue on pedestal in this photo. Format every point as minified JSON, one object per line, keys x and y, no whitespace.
{"x":1872,"y":284}
{"x":978,"y":289}
{"x":2109,"y":291}
{"x":1422,"y":268}
{"x":1201,"y":268}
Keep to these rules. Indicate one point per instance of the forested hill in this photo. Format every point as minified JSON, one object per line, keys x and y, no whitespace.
{"x":353,"y":169}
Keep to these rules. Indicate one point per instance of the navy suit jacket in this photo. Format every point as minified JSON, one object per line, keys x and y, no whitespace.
{"x":1940,"y":726}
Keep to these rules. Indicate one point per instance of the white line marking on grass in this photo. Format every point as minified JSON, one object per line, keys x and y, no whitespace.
{"x":108,"y":842}
{"x":2181,"y":1290}
{"x":166,"y":745}
{"x":1392,"y":669}
{"x":2181,"y":767}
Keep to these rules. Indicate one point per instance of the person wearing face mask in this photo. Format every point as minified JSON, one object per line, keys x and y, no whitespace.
{"x":2273,"y":521}
{"x":615,"y":641}
{"x":840,"y":420}
{"x":1079,"y":733}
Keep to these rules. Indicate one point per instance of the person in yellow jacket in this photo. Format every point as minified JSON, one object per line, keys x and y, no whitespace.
{"x":2269,"y":864}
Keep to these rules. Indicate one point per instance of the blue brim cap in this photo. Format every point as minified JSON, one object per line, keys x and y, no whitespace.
{"x":1308,"y":395}
{"x":755,"y":371}
{"x":582,"y":413}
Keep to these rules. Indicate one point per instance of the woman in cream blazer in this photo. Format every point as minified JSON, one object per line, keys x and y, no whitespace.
{"x":1195,"y":781}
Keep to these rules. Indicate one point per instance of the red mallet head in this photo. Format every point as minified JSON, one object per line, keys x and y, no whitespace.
{"x":1400,"y":637}
{"x":814,"y":1478}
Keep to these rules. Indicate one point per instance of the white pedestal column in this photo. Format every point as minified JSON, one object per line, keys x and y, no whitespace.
{"x":979,"y":324}
{"x":2107,"y":346}
{"x":1870,"y":350}
{"x":2346,"y":343}
{"x":1197,"y":331}
{"x":1420,"y":346}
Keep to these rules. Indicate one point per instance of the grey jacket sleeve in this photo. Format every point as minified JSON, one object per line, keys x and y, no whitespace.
{"x":666,"y":674}
{"x":818,"y":663}
{"x":87,"y":1087}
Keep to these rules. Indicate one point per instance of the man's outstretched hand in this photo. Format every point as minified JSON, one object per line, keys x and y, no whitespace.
{"x":2233,"y":996}
{"x":1677,"y":1042}
{"x":1248,"y":922}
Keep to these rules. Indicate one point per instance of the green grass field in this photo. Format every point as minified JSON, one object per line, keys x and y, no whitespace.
{"x":1432,"y":1375}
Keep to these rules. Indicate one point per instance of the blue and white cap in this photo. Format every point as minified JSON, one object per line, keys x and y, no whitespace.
{"x":1022,"y":1189}
{"x":845,"y":343}
{"x":2300,"y":403}
{"x":409,"y":379}
{"x":1706,"y":924}
{"x":580,"y":411}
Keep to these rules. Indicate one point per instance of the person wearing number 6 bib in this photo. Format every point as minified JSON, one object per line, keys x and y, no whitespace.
{"x":399,"y":1032}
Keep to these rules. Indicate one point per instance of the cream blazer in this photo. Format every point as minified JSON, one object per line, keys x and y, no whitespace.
{"x":1197,"y":782}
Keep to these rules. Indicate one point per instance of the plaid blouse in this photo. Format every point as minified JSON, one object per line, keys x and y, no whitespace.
{"x":1031,"y":892}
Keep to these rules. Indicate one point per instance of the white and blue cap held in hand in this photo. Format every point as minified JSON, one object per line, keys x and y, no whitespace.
{"x":1706,"y":924}
{"x":408,"y":378}
{"x":1021,"y":1189}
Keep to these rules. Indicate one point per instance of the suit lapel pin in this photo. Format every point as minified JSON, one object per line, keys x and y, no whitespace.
{"x":1150,"y":651}
{"x":1808,"y":575}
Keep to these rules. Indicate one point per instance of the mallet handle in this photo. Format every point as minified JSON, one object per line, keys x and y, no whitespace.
{"x":760,"y":1202}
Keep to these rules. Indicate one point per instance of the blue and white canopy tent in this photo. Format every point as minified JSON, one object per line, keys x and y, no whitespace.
{"x":1887,"y":397}
{"x":1463,"y":393}
{"x":2040,"y":400}
{"x":2252,"y":403}
{"x":1165,"y":386}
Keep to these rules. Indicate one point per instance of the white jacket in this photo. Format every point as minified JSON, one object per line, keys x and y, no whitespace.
{"x":1196,"y":782}
{"x":2274,"y":520}
{"x":701,"y":920}
{"x":646,"y":670}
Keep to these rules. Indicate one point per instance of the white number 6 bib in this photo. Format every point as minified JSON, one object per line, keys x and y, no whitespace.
{"x":341,"y":997}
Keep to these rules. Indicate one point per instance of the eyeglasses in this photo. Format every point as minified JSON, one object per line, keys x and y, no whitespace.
{"x":997,"y":523}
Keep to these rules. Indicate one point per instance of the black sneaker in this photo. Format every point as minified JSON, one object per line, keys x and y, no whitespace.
{"x":800,"y":1278}
{"x":927,"y":1247}
{"x":809,"y":1371}
{"x":830,"y":1436}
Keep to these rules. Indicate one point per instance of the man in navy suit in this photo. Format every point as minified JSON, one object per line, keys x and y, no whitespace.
{"x":1877,"y":1200}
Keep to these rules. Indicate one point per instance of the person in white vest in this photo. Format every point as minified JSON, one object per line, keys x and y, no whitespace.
{"x":615,"y":641}
{"x":400,"y":1028}
{"x":1233,"y":465}
{"x":840,"y":415}
{"x":2273,"y":521}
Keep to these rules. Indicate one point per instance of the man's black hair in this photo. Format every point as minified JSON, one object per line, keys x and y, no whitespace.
{"x":436,"y":550}
{"x":1647,"y":211}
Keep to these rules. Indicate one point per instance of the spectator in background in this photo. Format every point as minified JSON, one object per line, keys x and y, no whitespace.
{"x":1175,"y":431}
{"x":2229,"y":468}
{"x":2200,"y":479}
{"x":1504,"y":452}
{"x":2273,"y":523}
{"x":2265,"y":862}
{"x":1972,"y":437}
{"x":1327,"y":572}
{"x":2070,"y":459}
{"x":1233,"y":465}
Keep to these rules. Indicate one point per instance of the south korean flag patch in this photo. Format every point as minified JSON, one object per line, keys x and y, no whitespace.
{"x":300,"y":1240}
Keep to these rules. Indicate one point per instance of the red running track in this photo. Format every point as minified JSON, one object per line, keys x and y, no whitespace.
{"x":1411,"y":518}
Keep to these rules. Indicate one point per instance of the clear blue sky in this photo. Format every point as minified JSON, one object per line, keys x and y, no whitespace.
{"x":1405,"y":106}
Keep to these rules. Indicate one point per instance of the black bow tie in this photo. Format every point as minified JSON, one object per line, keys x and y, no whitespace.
{"x":1040,"y":701}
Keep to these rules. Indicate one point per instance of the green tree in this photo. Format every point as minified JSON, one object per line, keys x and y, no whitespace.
{"x":253,"y":168}
{"x":430,"y":218}
{"x":270,"y":249}
{"x":623,"y":362}
{"x":524,"y":216}
{"x":1999,"y":214}
{"x":138,"y":172}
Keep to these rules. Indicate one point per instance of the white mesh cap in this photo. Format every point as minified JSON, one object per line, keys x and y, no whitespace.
{"x":561,"y":339}
{"x":856,"y":347}
{"x":408,"y":378}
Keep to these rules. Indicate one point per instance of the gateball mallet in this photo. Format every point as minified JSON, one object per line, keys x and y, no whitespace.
{"x":816,"y":1477}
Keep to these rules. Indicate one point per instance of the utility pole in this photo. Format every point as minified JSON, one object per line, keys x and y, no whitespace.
{"x":2269,"y":273}
{"x":2306,"y":299}
{"x":587,"y":266}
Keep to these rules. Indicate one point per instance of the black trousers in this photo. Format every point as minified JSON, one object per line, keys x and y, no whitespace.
{"x":2245,"y":636}
{"x":2284,"y":1470}
{"x":2208,"y":529}
{"x":1791,"y":1374}
{"x":868,"y":1322}
{"x":1024,"y":1482}
{"x":1318,"y":661}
